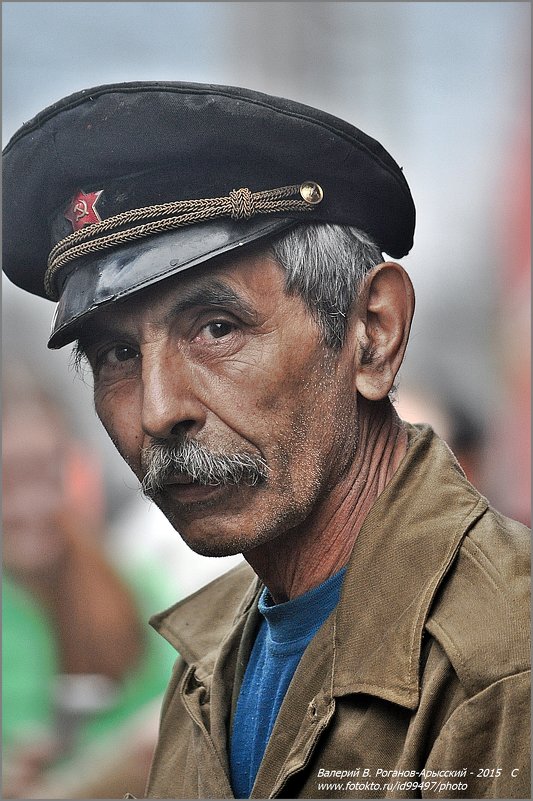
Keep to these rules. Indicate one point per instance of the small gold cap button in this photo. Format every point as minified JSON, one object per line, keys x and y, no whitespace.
{"x":311,"y":192}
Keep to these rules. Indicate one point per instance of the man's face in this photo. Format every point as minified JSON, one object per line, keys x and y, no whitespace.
{"x":224,"y":357}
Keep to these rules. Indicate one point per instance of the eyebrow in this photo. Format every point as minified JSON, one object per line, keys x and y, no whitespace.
{"x":217,"y":295}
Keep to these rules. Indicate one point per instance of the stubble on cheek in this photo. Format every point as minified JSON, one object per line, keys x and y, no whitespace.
{"x":316,"y":449}
{"x":129,"y":443}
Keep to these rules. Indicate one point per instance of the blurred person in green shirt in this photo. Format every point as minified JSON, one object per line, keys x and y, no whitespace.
{"x":77,"y":660}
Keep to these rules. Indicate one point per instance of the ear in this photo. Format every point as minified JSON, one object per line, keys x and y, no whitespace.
{"x":384,"y":312}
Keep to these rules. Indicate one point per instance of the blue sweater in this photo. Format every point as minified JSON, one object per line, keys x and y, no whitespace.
{"x":285,"y":632}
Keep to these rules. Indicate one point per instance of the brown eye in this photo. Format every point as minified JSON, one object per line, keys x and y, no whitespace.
{"x":122,"y":353}
{"x":219,"y":329}
{"x":118,"y":357}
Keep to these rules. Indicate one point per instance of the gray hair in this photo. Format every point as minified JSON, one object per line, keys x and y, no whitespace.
{"x":325,"y":264}
{"x":164,"y":461}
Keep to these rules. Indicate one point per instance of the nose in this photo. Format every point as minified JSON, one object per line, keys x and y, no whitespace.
{"x":171,"y":406}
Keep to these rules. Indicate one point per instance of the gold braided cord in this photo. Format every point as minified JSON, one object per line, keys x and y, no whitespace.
{"x":163,"y":210}
{"x":239,"y":204}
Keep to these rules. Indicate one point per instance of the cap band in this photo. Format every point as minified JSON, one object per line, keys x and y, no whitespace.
{"x":239,"y":204}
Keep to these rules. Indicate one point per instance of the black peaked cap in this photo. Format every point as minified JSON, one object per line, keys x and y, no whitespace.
{"x":121,"y":147}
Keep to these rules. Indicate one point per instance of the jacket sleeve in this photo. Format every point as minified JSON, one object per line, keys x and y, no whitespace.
{"x":488,"y":738}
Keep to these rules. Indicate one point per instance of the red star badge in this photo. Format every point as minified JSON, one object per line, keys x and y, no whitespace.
{"x":81,"y":210}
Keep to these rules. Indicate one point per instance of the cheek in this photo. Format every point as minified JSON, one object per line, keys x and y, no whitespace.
{"x":120,"y":413}
{"x":295,"y":420}
{"x":319,"y":426}
{"x":283,"y":380}
{"x":298,"y":398}
{"x":288,"y":406}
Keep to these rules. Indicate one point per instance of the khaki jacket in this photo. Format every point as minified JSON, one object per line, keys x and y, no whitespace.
{"x":415,"y":686}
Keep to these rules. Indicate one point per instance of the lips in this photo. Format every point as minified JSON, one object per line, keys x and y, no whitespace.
{"x":183,"y":490}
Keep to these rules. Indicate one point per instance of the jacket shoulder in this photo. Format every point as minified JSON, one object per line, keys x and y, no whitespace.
{"x":481,"y":613}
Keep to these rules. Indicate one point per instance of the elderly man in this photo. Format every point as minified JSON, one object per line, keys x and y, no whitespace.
{"x":216,"y":254}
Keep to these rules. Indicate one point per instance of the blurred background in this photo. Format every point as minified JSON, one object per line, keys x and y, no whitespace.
{"x":445,"y":87}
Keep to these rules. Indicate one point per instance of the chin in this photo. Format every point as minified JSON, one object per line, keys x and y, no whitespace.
{"x":211,"y":548}
{"x":232,"y":520}
{"x":232,"y":535}
{"x":214,"y":535}
{"x":210,"y":542}
{"x":204,"y":533}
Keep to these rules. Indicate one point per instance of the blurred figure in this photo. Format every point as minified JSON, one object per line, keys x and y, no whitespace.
{"x":451,"y":420}
{"x":511,"y":473}
{"x":77,"y":661}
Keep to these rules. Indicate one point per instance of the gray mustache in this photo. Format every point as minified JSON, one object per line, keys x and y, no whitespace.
{"x":163,"y":461}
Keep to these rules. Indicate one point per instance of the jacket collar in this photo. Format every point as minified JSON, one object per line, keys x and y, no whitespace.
{"x":197,"y":625}
{"x":402,"y":553}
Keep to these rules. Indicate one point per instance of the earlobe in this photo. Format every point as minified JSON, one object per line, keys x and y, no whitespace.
{"x":384,"y":314}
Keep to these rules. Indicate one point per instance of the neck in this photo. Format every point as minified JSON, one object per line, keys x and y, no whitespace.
{"x":321,"y":545}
